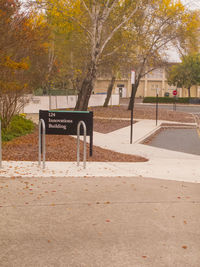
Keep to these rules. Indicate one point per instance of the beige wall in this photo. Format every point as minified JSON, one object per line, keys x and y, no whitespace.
{"x":147,"y":87}
{"x":193,"y":92}
{"x":101,"y":86}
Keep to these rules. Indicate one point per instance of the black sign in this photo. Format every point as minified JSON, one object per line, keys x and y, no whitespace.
{"x":66,"y":122}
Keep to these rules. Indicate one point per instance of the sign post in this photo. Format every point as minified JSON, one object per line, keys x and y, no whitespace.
{"x":66,"y":122}
{"x":174,"y":94}
{"x":156,"y":106}
{"x":132,"y":83}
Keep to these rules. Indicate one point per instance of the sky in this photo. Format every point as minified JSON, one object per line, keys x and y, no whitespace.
{"x":192,"y":4}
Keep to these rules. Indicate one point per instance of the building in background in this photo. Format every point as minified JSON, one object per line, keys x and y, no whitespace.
{"x":149,"y":85}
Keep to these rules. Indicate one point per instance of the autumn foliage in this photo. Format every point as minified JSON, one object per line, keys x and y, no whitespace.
{"x":23,"y":46}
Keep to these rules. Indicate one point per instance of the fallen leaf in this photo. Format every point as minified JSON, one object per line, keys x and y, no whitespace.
{"x":107,"y":220}
{"x":144,"y":257}
{"x":184,"y":247}
{"x":185,"y":222}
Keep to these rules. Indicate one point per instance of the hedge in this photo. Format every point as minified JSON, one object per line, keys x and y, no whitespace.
{"x":185,"y":100}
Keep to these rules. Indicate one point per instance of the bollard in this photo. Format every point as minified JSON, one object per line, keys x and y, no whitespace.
{"x":41,"y":142}
{"x":84,"y":144}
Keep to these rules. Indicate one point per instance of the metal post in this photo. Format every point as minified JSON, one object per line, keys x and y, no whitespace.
{"x":175,"y":103}
{"x":156,"y":109}
{"x":41,"y":142}
{"x":131,"y":137}
{"x":84,"y":144}
{"x":0,"y":147}
{"x":131,"y":100}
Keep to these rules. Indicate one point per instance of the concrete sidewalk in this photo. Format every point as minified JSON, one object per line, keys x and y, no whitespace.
{"x":98,"y":222}
{"x":163,"y":164}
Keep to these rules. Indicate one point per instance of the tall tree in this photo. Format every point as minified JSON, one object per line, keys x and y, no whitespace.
{"x":188,"y":37}
{"x":186,"y":74}
{"x":22,"y":43}
{"x":99,"y":20}
{"x":155,"y":28}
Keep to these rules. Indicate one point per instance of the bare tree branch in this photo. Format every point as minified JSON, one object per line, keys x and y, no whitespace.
{"x":86,"y":7}
{"x":116,"y":29}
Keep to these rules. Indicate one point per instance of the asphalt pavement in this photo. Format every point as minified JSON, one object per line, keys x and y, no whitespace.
{"x":178,"y":139}
{"x":179,"y":107}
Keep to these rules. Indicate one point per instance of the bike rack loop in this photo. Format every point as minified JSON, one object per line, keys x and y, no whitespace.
{"x":0,"y":147}
{"x":84,"y":144}
{"x":42,"y":142}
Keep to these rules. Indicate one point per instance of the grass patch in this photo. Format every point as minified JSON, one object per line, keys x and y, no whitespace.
{"x":18,"y":126}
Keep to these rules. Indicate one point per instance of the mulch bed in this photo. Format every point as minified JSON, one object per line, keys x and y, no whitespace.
{"x":142,"y":112}
{"x":60,"y":148}
{"x":109,"y":125}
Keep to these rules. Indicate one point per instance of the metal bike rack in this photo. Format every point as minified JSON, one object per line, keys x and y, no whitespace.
{"x":42,"y":142}
{"x":84,"y":144}
{"x":0,"y":147}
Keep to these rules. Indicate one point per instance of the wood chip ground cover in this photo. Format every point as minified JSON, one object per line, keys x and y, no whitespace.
{"x":63,"y":148}
{"x":142,"y":113}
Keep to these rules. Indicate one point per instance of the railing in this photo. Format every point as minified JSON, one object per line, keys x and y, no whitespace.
{"x":84,"y":144}
{"x":42,"y":151}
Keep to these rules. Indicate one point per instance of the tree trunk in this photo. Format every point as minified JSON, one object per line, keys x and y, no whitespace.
{"x":86,"y":89}
{"x":189,"y":95}
{"x":109,"y":91}
{"x":133,"y":93}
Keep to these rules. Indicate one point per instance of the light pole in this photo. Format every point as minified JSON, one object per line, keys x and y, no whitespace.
{"x":156,"y":106}
{"x":132,"y":83}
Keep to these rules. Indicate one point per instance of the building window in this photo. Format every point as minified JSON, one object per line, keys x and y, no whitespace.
{"x":158,"y":74}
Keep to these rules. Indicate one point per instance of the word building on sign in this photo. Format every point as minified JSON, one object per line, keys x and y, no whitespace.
{"x":57,"y":123}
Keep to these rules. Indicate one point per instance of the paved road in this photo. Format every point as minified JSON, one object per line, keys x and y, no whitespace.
{"x":182,"y":108}
{"x":179,"y":107}
{"x":182,"y":140}
{"x":97,"y":222}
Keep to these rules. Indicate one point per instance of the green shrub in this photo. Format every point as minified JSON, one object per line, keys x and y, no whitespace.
{"x":185,"y":100}
{"x":18,"y":126}
{"x":55,"y":92}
